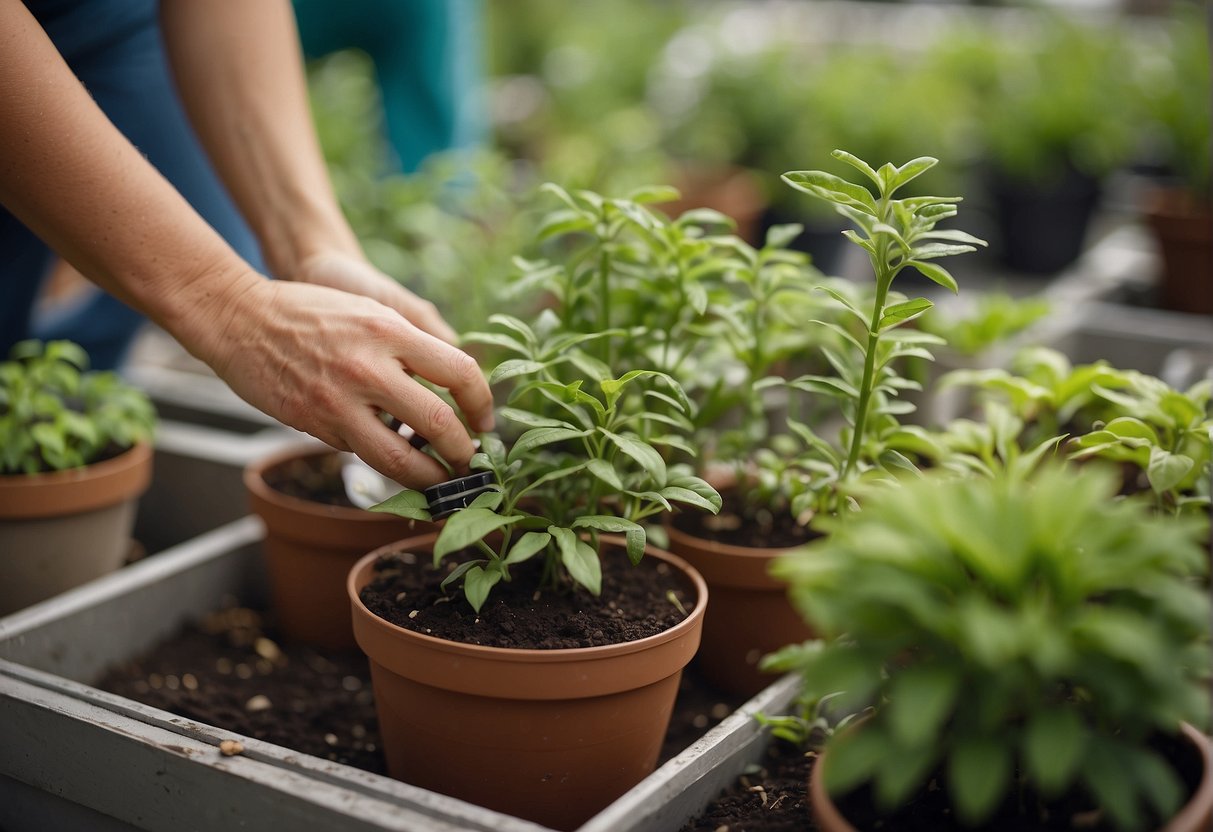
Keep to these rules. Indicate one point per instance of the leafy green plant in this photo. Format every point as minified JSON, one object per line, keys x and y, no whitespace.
{"x":1016,"y":640}
{"x":896,"y":234}
{"x":995,"y":318}
{"x":54,"y":415}
{"x":1120,"y":415}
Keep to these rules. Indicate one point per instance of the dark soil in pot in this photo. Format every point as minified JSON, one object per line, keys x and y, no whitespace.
{"x":320,"y":701}
{"x":634,"y":604}
{"x":773,"y":797}
{"x":741,"y":525}
{"x":314,"y":478}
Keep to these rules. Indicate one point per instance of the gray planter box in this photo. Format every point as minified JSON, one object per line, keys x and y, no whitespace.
{"x":73,"y":756}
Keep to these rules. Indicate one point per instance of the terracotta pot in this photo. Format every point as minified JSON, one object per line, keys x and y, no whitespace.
{"x":1195,"y":816}
{"x":1184,"y":229}
{"x":552,"y":736}
{"x":309,"y":548}
{"x":61,"y":529}
{"x":750,"y":616}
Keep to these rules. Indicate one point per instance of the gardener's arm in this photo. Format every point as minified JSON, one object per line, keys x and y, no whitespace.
{"x":239,"y":69}
{"x":321,"y":360}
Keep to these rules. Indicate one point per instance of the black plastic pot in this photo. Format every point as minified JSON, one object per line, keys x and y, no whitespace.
{"x":1042,"y":225}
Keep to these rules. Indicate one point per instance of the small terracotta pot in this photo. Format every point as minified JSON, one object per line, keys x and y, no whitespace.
{"x":1184,"y":229}
{"x":552,"y":736}
{"x":1195,"y":816}
{"x":61,"y":529}
{"x":750,"y":616}
{"x":309,"y":548}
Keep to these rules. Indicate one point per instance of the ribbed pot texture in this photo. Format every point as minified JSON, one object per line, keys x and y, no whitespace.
{"x":309,"y":548}
{"x":61,"y":529}
{"x":552,"y":736}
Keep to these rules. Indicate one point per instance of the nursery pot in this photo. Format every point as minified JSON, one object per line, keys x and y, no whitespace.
{"x":1183,"y":227}
{"x":1043,"y":226}
{"x":61,"y":529}
{"x":552,"y":736}
{"x":309,"y":549}
{"x":1195,"y":816}
{"x":750,"y":616}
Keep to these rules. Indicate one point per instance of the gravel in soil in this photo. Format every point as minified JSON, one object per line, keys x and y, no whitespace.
{"x":635,"y":603}
{"x":230,"y":671}
{"x":771,"y":797}
{"x":739,"y":524}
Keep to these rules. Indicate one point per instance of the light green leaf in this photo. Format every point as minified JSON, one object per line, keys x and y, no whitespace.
{"x":514,"y":367}
{"x":641,"y":452}
{"x":527,"y":546}
{"x":459,"y":571}
{"x":604,"y":523}
{"x":532,"y":420}
{"x":602,"y":469}
{"x":477,"y":584}
{"x":1167,"y":470}
{"x":636,"y":539}
{"x":832,"y":188}
{"x":579,"y":559}
{"x":936,"y":273}
{"x":899,"y":313}
{"x":538,"y":437}
{"x":463,"y":528}
{"x":685,"y":495}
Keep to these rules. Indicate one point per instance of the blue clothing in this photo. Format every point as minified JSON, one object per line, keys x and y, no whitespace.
{"x":115,"y":49}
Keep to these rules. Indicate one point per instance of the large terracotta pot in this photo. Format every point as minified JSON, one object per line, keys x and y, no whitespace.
{"x":61,"y":529}
{"x":1184,"y":229}
{"x":309,"y":548}
{"x":1195,"y":816}
{"x":552,"y":736}
{"x":750,"y":616}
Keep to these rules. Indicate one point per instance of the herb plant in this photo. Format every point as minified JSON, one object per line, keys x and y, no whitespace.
{"x":1017,"y":640}
{"x":54,"y":415}
{"x":896,"y":234}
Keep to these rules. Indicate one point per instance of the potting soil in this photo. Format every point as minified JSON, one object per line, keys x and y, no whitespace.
{"x":773,"y":797}
{"x":740,"y":525}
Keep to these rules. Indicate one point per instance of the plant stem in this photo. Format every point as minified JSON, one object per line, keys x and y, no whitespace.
{"x":883,"y":280}
{"x":604,"y":309}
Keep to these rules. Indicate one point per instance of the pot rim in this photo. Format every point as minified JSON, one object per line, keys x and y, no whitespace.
{"x":520,"y":654}
{"x":25,"y":496}
{"x":255,"y":484}
{"x":727,"y":549}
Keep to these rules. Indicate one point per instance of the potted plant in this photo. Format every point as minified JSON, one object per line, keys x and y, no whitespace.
{"x":314,"y":533}
{"x":527,"y":657}
{"x":1173,"y":89}
{"x":75,"y":455}
{"x":1031,"y":653}
{"x":787,"y":487}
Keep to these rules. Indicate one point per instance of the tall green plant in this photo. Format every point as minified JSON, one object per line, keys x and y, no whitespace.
{"x":897,"y":234}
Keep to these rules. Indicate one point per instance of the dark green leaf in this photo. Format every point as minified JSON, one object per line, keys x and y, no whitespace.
{"x":1053,"y":746}
{"x":527,"y":546}
{"x":477,"y":584}
{"x":979,"y":772}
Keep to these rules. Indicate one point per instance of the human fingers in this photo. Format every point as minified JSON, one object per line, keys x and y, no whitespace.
{"x":428,"y":415}
{"x":439,"y":362}
{"x":390,"y":454}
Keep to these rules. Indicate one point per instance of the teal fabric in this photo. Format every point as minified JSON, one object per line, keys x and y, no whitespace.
{"x":427,"y":61}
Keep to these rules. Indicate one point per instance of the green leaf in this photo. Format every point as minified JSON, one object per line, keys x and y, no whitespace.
{"x":579,"y":559}
{"x":477,"y":584}
{"x":603,"y":471}
{"x":1167,"y":470}
{"x":920,"y":700}
{"x":824,"y":384}
{"x":899,"y":313}
{"x":979,"y":771}
{"x":700,"y":487}
{"x":640,"y":452}
{"x":538,"y":437}
{"x":781,"y":236}
{"x":685,"y":495}
{"x":532,"y":420}
{"x":463,"y":528}
{"x":514,"y":367}
{"x":832,"y":188}
{"x":910,"y":170}
{"x":853,"y":757}
{"x":459,"y":571}
{"x":1054,"y":745}
{"x":859,"y":165}
{"x":496,"y":339}
{"x":650,"y":194}
{"x":527,"y":546}
{"x":605,"y":523}
{"x":488,"y":499}
{"x":636,"y":539}
{"x":936,"y":273}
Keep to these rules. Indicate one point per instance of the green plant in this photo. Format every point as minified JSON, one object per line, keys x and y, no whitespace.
{"x":54,"y":415}
{"x":896,"y":234}
{"x":995,"y":318}
{"x":1120,"y":415}
{"x":1016,"y":639}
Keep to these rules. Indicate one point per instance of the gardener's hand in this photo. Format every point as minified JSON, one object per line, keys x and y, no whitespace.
{"x":328,"y":362}
{"x":354,"y":274}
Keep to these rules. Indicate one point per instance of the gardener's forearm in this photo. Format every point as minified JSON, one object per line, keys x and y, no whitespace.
{"x":240,"y":72}
{"x":68,"y":174}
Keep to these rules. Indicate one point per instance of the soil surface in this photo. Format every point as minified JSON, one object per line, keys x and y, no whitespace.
{"x":230,"y":671}
{"x":771,"y":798}
{"x":319,"y":702}
{"x":635,"y":603}
{"x":313,"y":478}
{"x":739,"y":524}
